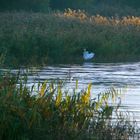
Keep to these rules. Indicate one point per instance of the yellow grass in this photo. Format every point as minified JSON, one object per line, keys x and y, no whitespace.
{"x":98,"y":19}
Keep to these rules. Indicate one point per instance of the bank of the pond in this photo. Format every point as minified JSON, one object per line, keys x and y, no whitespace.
{"x":37,"y":38}
{"x":48,"y":112}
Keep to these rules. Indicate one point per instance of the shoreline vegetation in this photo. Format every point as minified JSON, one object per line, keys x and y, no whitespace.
{"x":46,"y":111}
{"x":28,"y":38}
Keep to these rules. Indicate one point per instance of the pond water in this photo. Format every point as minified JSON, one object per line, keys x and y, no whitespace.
{"x":103,"y":76}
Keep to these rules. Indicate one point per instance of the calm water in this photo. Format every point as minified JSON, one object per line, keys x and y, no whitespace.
{"x":103,"y":76}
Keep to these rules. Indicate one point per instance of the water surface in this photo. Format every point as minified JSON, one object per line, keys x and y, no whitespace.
{"x":103,"y":76}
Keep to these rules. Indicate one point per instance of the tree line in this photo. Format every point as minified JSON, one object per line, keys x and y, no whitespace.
{"x":43,"y":5}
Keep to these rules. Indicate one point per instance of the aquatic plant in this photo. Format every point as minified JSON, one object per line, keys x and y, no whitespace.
{"x":47,"y":112}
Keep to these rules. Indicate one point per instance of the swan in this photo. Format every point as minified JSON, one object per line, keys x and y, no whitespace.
{"x":87,"y":55}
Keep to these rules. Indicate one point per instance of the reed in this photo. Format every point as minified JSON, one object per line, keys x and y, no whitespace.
{"x":100,"y":20}
{"x":40,"y":39}
{"x":47,"y":112}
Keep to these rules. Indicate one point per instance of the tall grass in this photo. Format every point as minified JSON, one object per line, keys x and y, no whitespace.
{"x":37,"y":38}
{"x":48,"y":112}
{"x":101,"y":20}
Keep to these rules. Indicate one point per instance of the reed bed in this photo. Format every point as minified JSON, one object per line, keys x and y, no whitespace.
{"x":48,"y":112}
{"x":40,"y":39}
{"x":101,"y":20}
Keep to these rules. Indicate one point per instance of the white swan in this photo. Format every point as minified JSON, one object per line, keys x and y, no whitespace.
{"x":87,"y":55}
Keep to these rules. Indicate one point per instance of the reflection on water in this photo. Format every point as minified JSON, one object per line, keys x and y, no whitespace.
{"x":101,"y":75}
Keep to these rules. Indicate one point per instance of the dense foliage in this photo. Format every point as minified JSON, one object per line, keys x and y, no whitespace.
{"x":26,"y":5}
{"x":103,"y":7}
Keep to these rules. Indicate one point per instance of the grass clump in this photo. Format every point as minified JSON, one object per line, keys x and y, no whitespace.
{"x":47,"y":112}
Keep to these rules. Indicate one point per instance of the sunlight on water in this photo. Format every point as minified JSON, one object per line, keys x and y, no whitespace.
{"x":103,"y":76}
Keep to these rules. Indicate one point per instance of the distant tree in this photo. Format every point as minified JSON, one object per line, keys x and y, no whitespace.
{"x":43,"y":5}
{"x":62,"y":4}
{"x":34,"y":5}
{"x":131,"y":3}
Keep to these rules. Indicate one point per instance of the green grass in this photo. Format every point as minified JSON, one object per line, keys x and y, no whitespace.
{"x":37,"y":39}
{"x":46,"y":112}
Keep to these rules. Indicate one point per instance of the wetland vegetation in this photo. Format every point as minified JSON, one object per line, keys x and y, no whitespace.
{"x":47,"y":111}
{"x":43,"y":32}
{"x":38,"y":38}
